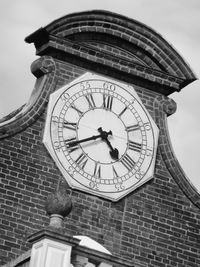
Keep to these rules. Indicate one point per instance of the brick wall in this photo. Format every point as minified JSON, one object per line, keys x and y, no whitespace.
{"x":156,"y":225}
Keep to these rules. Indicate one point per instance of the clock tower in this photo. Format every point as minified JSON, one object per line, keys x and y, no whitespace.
{"x":96,"y":127}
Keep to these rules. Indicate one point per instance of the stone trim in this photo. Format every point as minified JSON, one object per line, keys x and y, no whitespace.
{"x":164,"y":107}
{"x":60,"y":235}
{"x":62,"y":48}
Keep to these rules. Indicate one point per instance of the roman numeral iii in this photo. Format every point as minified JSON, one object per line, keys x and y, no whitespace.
{"x":132,"y":128}
{"x":134,"y":146}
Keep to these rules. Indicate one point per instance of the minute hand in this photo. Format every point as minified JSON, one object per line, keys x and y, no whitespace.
{"x":94,"y":137}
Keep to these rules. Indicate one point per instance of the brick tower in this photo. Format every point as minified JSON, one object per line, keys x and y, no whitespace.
{"x":146,"y":211}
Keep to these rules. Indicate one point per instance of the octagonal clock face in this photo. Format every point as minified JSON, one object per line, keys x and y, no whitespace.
{"x":101,"y":136}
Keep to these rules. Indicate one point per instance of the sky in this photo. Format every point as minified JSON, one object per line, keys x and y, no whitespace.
{"x":178,"y":21}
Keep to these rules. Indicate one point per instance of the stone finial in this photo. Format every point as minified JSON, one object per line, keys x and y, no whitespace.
{"x":58,"y":205}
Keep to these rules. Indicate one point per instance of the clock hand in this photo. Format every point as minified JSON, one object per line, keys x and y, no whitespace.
{"x":114,"y":153}
{"x":94,"y":137}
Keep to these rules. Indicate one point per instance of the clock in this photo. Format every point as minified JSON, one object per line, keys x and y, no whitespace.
{"x":101,"y":136}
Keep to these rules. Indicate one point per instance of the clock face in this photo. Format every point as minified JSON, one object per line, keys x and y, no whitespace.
{"x":101,"y":136}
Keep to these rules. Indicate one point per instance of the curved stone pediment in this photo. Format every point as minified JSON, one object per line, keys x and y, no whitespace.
{"x":134,"y":48}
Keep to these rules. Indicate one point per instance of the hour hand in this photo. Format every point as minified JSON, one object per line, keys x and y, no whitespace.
{"x":114,"y":153}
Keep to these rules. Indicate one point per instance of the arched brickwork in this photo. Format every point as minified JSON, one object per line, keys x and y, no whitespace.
{"x":134,"y":32}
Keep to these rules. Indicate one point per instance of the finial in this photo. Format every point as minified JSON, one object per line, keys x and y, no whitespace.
{"x":58,"y":205}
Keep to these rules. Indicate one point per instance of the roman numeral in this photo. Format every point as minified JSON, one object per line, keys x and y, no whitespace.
{"x":70,"y":125}
{"x":115,"y":174}
{"x":122,"y":112}
{"x":71,"y":148}
{"x":134,"y":146}
{"x":107,"y":101}
{"x":128,"y":162}
{"x":132,"y":128}
{"x":97,"y":170}
{"x":90,"y":101}
{"x":80,"y":113}
{"x":81,"y":160}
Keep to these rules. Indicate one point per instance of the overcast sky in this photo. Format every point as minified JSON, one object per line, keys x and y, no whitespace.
{"x":178,"y":21}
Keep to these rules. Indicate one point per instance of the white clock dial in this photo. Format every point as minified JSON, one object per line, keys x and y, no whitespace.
{"x":102,"y":137}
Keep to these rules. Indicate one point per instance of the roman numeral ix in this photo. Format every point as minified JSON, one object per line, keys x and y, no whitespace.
{"x":71,"y":148}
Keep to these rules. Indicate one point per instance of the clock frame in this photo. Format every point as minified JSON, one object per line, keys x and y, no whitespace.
{"x":101,"y":136}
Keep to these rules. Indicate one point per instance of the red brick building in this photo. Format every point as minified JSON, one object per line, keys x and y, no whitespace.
{"x":156,"y":221}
